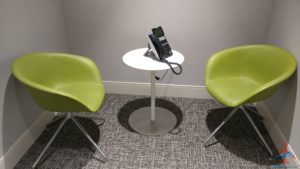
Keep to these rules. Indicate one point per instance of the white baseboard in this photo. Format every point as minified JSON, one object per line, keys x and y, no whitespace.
{"x":275,"y":132}
{"x":21,"y":146}
{"x":169,"y":90}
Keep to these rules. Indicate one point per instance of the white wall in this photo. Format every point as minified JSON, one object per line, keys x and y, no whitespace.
{"x":104,"y":30}
{"x":25,"y":26}
{"x":285,"y":104}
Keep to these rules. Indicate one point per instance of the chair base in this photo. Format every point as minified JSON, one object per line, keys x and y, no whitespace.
{"x":65,"y":119}
{"x":59,"y":117}
{"x":251,"y":121}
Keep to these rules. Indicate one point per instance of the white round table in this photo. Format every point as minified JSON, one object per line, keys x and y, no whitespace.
{"x":151,"y":120}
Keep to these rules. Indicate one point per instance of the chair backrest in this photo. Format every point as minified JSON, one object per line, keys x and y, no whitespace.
{"x":44,"y":73}
{"x":54,"y":69}
{"x":263,"y":63}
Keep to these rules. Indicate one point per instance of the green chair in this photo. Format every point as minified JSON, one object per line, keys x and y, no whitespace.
{"x":61,"y":82}
{"x":247,"y":74}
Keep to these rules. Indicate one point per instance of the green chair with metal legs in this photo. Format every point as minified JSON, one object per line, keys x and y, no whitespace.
{"x":247,"y":74}
{"x":61,"y":82}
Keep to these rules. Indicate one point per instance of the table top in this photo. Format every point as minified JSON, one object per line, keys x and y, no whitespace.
{"x":136,"y":59}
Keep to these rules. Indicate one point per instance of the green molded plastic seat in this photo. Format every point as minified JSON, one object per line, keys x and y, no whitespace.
{"x":247,"y":74}
{"x":61,"y":82}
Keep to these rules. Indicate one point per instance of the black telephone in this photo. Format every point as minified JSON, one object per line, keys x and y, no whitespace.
{"x":159,"y":48}
{"x":160,"y":44}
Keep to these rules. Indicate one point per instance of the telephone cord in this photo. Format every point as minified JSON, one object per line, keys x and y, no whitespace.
{"x":170,"y":65}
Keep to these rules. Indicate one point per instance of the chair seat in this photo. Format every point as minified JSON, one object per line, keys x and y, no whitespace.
{"x":88,"y":93}
{"x":232,"y":91}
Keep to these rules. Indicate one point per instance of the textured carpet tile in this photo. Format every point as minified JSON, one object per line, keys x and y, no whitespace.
{"x":236,"y":146}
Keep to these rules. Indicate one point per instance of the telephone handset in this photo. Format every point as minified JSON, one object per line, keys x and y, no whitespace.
{"x":159,"y":48}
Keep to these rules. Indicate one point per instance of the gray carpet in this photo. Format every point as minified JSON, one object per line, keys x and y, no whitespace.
{"x":236,"y":146}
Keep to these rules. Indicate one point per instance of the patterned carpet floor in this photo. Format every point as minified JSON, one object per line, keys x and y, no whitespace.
{"x":236,"y":145}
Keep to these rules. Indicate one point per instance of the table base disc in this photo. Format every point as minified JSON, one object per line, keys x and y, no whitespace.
{"x":140,"y":121}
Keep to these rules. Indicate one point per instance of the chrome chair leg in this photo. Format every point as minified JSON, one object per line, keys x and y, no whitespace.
{"x":100,"y":120}
{"x":56,"y":119}
{"x":257,"y":131}
{"x":51,"y":140}
{"x":223,"y":122}
{"x":90,"y":139}
{"x":251,"y":110}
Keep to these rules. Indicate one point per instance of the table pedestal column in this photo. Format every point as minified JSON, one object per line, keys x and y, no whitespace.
{"x":152,"y":120}
{"x":152,"y":96}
